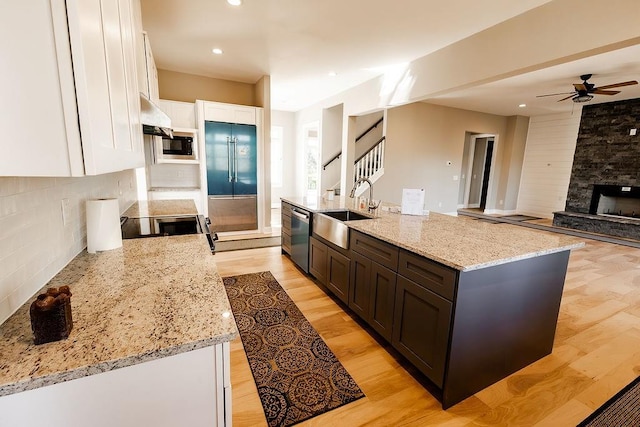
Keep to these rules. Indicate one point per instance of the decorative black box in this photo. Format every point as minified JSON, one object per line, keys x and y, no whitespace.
{"x":51,"y":315}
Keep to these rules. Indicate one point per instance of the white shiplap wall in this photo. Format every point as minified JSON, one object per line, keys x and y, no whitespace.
{"x":548,"y":157}
{"x":34,"y":243}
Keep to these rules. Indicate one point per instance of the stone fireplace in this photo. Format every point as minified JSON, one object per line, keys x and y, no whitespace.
{"x":604,"y":190}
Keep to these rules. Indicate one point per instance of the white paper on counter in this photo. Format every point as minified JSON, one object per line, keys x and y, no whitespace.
{"x":103,"y":225}
{"x":412,"y":201}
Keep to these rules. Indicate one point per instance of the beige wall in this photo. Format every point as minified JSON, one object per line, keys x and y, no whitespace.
{"x":331,"y":144}
{"x":421,"y":138}
{"x":515,"y":141}
{"x":188,"y":87}
{"x":262,"y":91}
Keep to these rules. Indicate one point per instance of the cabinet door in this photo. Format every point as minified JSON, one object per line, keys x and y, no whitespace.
{"x":421,"y":328}
{"x":338,"y":274}
{"x":318,"y":260}
{"x":102,"y":46}
{"x":360,"y":292}
{"x":38,"y":105}
{"x":383,"y":291}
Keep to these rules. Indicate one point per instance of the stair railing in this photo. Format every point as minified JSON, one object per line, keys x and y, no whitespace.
{"x":328,"y":162}
{"x":370,"y":162}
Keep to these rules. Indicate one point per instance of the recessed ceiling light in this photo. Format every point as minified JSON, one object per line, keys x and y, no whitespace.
{"x":522,"y":105}
{"x":332,"y":74}
{"x":217,"y":51}
{"x":234,"y":2}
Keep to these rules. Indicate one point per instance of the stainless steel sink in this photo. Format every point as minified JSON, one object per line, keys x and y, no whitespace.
{"x":331,"y":227}
{"x":345,"y":215}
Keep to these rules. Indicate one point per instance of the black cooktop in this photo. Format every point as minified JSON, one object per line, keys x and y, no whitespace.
{"x":156,"y":226}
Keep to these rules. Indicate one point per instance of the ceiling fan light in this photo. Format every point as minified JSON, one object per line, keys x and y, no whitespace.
{"x":582,"y":98}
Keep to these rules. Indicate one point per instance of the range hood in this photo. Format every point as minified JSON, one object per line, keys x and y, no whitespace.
{"x":154,"y":120}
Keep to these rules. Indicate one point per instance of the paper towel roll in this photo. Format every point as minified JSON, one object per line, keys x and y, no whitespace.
{"x":103,"y":225}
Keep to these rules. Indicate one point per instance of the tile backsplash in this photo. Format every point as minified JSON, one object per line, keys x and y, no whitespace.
{"x":35,"y":242}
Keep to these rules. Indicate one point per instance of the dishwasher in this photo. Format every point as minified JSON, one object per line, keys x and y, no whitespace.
{"x":300,"y":238}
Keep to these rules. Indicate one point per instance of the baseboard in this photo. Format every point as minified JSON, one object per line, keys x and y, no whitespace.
{"x":499,"y":212}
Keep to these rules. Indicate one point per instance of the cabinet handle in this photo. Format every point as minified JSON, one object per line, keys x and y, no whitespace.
{"x":235,"y":159}
{"x":229,"y":157}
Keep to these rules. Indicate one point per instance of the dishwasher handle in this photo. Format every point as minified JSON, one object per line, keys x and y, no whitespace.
{"x":302,"y":216}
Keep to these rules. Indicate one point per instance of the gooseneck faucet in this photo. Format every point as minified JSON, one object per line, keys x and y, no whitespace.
{"x":372,"y":205}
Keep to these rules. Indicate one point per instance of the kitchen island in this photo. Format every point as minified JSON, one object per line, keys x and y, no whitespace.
{"x":466,"y":302}
{"x":149,"y":344}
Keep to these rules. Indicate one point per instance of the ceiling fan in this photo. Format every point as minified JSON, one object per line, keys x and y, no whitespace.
{"x":584,"y":91}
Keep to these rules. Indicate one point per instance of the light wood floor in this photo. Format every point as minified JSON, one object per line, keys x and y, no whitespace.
{"x":596,"y":352}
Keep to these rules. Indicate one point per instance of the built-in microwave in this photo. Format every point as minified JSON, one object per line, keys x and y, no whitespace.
{"x":180,"y":148}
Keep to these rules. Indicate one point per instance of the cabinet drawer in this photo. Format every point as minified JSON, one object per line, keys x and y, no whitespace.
{"x":286,"y":242}
{"x":374,"y":249}
{"x":431,"y":275}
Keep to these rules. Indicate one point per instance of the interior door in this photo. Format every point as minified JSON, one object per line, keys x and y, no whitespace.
{"x":219,"y":154}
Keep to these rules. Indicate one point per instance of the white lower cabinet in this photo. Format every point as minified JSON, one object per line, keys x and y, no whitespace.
{"x":189,"y":389}
{"x":70,"y":104}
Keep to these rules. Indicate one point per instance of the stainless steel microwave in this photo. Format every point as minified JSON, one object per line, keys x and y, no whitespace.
{"x":180,"y":148}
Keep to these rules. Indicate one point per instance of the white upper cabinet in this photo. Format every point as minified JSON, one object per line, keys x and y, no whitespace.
{"x":70,"y":99}
{"x":229,"y":113}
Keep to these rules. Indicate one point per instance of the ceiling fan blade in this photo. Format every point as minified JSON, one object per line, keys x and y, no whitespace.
{"x":570,"y":96}
{"x":605,"y":92}
{"x":580,"y":86}
{"x":629,"y":83}
{"x":554,"y":94}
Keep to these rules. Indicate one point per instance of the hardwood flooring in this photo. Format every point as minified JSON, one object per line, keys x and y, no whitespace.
{"x":596,"y":352}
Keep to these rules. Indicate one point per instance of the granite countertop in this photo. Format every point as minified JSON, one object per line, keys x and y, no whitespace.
{"x":152,"y":298}
{"x":146,"y":208}
{"x":458,"y":242}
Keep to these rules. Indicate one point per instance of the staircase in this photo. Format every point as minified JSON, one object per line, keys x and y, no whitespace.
{"x":370,"y":165}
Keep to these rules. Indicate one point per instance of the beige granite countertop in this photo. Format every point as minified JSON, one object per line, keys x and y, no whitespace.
{"x":152,"y":298}
{"x":458,"y":242}
{"x":145,"y":208}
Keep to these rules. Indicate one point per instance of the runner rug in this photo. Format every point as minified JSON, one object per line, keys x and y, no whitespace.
{"x":297,"y":375}
{"x":623,"y":409}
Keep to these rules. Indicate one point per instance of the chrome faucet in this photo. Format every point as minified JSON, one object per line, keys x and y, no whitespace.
{"x":372,"y":205}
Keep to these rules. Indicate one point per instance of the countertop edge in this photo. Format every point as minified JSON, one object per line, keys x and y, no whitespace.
{"x":110,"y":365}
{"x":462,"y":268}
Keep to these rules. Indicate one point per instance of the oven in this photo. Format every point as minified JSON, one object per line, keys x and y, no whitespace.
{"x":157,"y":226}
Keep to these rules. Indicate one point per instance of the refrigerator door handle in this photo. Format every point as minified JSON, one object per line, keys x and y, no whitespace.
{"x":235,"y":160}
{"x":229,"y":157}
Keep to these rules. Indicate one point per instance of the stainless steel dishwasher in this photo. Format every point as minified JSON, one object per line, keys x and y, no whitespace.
{"x":300,"y":238}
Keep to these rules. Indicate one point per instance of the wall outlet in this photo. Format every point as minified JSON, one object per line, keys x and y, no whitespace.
{"x":65,"y":211}
{"x":455,"y":177}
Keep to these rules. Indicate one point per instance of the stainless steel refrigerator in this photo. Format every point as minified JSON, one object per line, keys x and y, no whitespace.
{"x":232,"y":176}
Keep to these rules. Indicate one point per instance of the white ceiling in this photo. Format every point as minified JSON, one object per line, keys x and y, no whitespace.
{"x":298,"y":42}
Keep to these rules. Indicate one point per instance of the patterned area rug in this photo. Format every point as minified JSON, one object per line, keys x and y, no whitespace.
{"x":623,"y":409}
{"x":297,"y":375}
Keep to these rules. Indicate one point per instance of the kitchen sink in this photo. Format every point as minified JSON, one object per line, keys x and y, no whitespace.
{"x":331,"y":227}
{"x":345,"y":215}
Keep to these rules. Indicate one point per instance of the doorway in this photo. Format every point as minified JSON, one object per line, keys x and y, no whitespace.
{"x":478,"y":171}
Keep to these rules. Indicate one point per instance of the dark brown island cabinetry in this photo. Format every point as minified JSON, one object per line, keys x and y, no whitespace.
{"x":464,"y":330}
{"x":330,"y":268}
{"x":318,"y":260}
{"x":373,"y":285}
{"x":286,"y":227}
